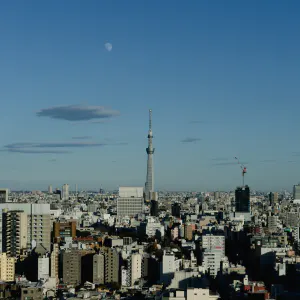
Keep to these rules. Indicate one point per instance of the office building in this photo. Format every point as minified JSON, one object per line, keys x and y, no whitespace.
{"x":130,"y":201}
{"x":50,"y":190}
{"x":7,"y":268}
{"x":72,"y":267}
{"x":188,"y":231}
{"x":296,"y":192}
{"x":176,"y":210}
{"x":135,"y":268}
{"x":214,"y":242}
{"x":65,"y":192}
{"x":4,"y":195}
{"x":149,"y":185}
{"x":154,"y":208}
{"x":292,"y":219}
{"x":14,"y":232}
{"x":43,"y":268}
{"x":38,"y":224}
{"x":61,"y":230}
{"x":242,"y":199}
{"x":55,"y":262}
{"x":216,"y":195}
{"x":99,"y":268}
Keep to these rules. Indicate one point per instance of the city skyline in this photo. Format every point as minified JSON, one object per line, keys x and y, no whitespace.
{"x":76,"y":88}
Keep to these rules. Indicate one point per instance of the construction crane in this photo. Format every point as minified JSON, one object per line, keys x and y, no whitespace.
{"x":244,"y":169}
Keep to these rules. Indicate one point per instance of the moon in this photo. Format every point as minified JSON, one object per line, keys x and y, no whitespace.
{"x":108,"y":46}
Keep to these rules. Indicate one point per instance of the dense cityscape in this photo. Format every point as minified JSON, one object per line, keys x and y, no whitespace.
{"x":149,"y":150}
{"x":137,"y":243}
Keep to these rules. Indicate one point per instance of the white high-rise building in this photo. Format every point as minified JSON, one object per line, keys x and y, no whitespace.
{"x":214,"y":242}
{"x":168,"y":266}
{"x":65,"y":192}
{"x":7,"y":268}
{"x":135,"y":268}
{"x":38,"y":224}
{"x":130,"y":201}
{"x":50,"y":190}
{"x":43,"y":268}
{"x":212,"y":261}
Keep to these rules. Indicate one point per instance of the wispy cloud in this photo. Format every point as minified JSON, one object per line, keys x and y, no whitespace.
{"x":77,"y":113}
{"x":52,"y":160}
{"x":220,"y":159}
{"x":228,"y":163}
{"x":268,"y":161}
{"x":34,"y":151}
{"x":190,"y":140}
{"x":295,"y":153}
{"x":84,"y":137}
{"x":52,"y":148}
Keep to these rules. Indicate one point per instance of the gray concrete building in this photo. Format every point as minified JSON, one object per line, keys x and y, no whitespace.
{"x":99,"y":268}
{"x":72,"y":267}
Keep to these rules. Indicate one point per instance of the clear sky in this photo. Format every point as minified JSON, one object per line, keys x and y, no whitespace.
{"x":222,"y":79}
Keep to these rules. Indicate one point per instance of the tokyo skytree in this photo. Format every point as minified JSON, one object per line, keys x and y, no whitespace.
{"x":149,"y":186}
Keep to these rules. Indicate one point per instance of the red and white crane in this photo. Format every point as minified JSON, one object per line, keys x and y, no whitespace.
{"x":244,"y":169}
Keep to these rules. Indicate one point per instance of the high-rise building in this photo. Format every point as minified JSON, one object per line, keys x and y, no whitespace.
{"x":135,"y":268}
{"x":14,"y":232}
{"x":216,"y":195}
{"x":72,"y":267}
{"x":38,"y":224}
{"x":149,"y":185}
{"x":296,"y":192}
{"x":130,"y":201}
{"x":43,"y":267}
{"x":50,"y":190}
{"x":65,"y":192}
{"x":7,"y":268}
{"x":99,"y":268}
{"x":55,"y":262}
{"x":4,"y":195}
{"x":176,"y":210}
{"x":242,"y":199}
{"x":154,"y":208}
{"x":106,"y":266}
{"x":61,"y":230}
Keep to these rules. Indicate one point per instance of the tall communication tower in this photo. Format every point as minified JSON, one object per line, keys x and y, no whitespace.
{"x":149,"y":185}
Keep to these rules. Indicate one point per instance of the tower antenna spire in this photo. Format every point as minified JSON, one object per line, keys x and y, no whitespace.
{"x":150,"y":119}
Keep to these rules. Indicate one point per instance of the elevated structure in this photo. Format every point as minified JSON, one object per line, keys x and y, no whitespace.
{"x":149,"y":185}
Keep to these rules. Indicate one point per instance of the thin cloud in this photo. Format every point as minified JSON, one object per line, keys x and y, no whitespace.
{"x":77,"y":113}
{"x":34,"y":151}
{"x":190,"y":140}
{"x":220,"y":159}
{"x":268,"y":161}
{"x":52,"y":160}
{"x":228,"y":164}
{"x":53,"y":145}
{"x":52,"y":148}
{"x":291,"y":161}
{"x":84,"y":137}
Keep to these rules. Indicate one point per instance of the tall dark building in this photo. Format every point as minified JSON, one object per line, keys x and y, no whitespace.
{"x":242,"y":199}
{"x":154,"y":208}
{"x":176,"y":210}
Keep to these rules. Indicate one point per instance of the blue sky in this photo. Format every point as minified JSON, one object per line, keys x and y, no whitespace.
{"x":222,"y":79}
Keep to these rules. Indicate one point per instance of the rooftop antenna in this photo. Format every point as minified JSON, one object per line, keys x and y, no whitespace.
{"x":244,"y":170}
